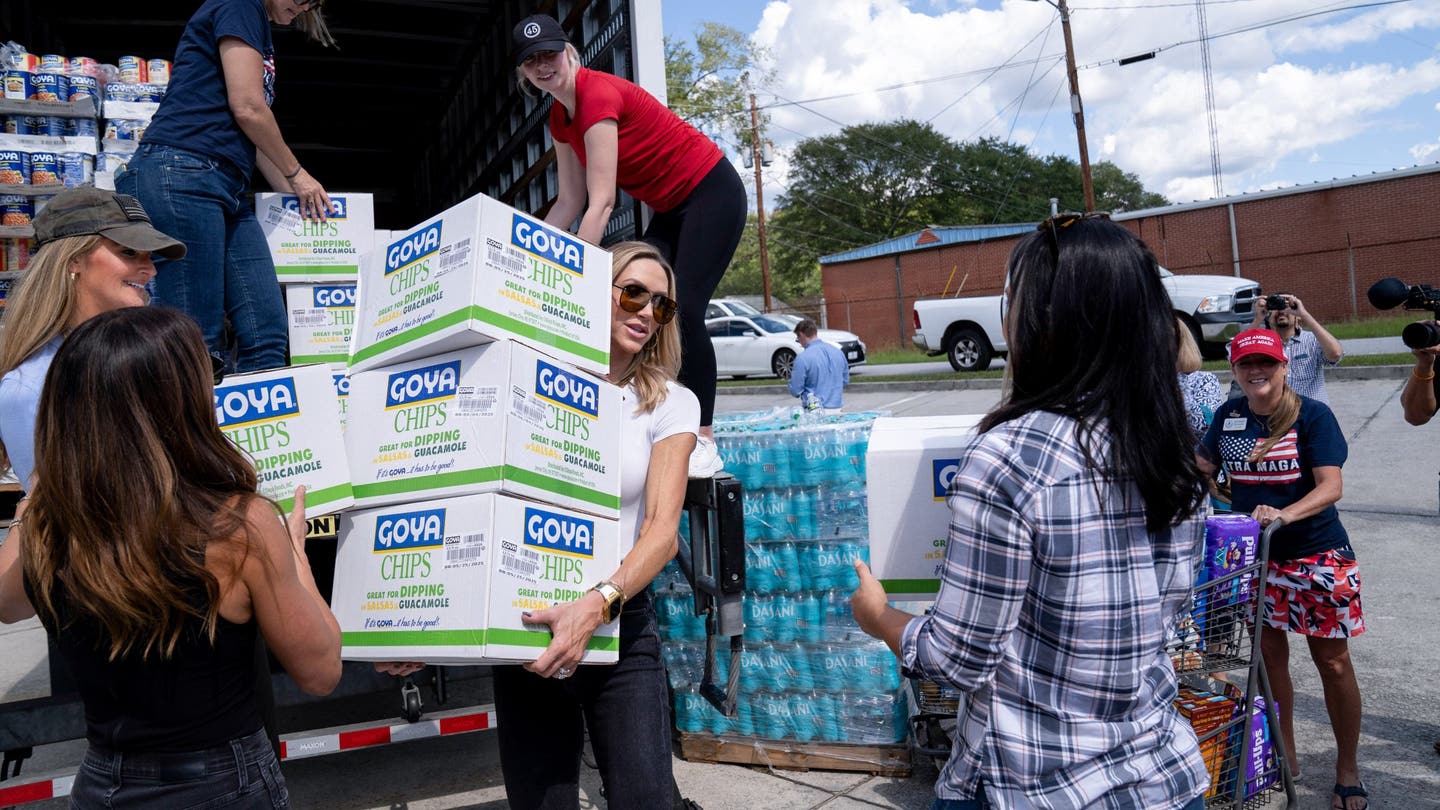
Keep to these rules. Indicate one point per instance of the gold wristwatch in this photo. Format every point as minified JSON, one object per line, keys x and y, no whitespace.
{"x":614,"y":600}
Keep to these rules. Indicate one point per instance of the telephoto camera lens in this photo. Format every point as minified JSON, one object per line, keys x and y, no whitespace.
{"x":1421,"y":335}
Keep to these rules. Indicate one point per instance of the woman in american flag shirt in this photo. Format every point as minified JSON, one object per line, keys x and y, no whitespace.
{"x":1283,"y":454}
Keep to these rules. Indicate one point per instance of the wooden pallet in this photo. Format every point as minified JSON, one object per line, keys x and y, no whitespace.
{"x":790,"y":755}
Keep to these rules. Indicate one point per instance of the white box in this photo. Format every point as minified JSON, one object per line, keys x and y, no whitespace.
{"x":320,"y":319}
{"x":307,"y":250}
{"x":284,"y":421}
{"x":497,"y":417}
{"x":340,"y":378}
{"x":445,"y":581}
{"x":478,"y":272}
{"x":908,"y":468}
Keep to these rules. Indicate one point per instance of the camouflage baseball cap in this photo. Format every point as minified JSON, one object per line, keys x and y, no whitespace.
{"x":85,"y":211}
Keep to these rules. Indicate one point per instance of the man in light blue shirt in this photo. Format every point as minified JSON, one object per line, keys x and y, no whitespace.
{"x":820,"y":372}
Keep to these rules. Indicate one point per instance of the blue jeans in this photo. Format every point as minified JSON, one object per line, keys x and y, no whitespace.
{"x":227,"y":273}
{"x":541,"y":724}
{"x":243,"y":774}
{"x":979,"y":803}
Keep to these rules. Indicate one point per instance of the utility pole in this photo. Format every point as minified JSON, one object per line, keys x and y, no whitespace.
{"x":1076,"y":108}
{"x":759,"y":200}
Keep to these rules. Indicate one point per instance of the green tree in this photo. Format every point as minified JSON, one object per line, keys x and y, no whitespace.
{"x":709,"y":84}
{"x":1117,"y":190}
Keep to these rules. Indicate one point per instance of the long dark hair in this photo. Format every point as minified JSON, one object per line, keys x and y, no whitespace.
{"x":134,"y":480}
{"x":1092,"y":337}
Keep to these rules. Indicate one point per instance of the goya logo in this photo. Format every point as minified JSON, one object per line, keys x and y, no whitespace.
{"x":407,"y":531}
{"x":342,"y":385}
{"x":250,"y":402}
{"x":559,"y":533}
{"x":944,"y":471}
{"x":10,"y":157}
{"x":412,"y":247}
{"x":548,"y":243}
{"x":567,"y":390}
{"x":419,"y":385}
{"x":338,"y":209}
{"x":335,"y":296}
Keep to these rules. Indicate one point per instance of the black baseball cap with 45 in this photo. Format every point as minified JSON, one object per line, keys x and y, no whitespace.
{"x":90,"y":211}
{"x":538,"y":32}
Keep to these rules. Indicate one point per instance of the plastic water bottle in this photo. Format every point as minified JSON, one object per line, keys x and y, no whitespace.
{"x":804,"y":502}
{"x":811,"y":626}
{"x":788,"y":574}
{"x":803,"y":722}
{"x":759,"y":571}
{"x":757,"y":617}
{"x":753,"y":676}
{"x":745,"y":715}
{"x":803,"y":676}
{"x":809,"y":401}
{"x":779,"y":674}
{"x":827,"y":712}
{"x":784,"y":618}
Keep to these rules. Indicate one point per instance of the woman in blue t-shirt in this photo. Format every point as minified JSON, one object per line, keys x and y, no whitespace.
{"x":1283,"y":453}
{"x":193,"y":168}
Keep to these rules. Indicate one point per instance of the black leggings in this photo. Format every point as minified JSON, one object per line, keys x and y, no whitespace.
{"x":699,"y":236}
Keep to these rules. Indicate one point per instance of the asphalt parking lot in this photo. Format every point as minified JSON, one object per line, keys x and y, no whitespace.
{"x":1390,"y":509}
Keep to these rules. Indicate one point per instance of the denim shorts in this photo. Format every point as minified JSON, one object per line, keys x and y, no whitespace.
{"x":243,"y":774}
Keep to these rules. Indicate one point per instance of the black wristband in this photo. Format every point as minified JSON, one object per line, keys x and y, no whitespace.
{"x":294,"y":174}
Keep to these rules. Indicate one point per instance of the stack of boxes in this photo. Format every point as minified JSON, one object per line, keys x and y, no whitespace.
{"x":132,"y":95}
{"x":483,"y":444}
{"x":808,"y":673}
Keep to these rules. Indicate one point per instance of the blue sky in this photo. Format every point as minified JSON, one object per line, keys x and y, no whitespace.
{"x":1336,"y":94}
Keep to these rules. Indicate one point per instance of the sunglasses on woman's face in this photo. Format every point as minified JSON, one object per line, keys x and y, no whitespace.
{"x":634,"y":298}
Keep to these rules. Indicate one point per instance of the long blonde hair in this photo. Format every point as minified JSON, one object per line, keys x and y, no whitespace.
{"x":42,"y":304}
{"x":1280,"y":421}
{"x":658,"y":361}
{"x":312,"y":24}
{"x":1189,"y":358}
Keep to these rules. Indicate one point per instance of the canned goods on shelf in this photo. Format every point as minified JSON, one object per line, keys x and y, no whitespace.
{"x":159,"y":71}
{"x":77,"y":169}
{"x":120,"y":91}
{"x":14,"y":167}
{"x":18,"y":125}
{"x":40,"y":202}
{"x":44,"y":168}
{"x":52,"y":125}
{"x":150,"y":92}
{"x":51,"y":87}
{"x":113,"y":163}
{"x":16,"y":210}
{"x":53,"y":63}
{"x":16,"y":253}
{"x":19,"y":84}
{"x":132,"y":69}
{"x":84,"y":66}
{"x":83,"y":87}
{"x":24,"y":61}
{"x":82,"y":127}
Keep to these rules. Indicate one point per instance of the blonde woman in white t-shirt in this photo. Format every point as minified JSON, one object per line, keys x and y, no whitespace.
{"x":544,"y":708}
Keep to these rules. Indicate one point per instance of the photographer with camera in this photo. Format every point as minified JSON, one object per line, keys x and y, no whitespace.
{"x":1311,"y":350}
{"x":1418,"y":398}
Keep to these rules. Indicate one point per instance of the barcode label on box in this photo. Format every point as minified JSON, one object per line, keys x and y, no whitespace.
{"x":519,"y":561}
{"x":305,"y":318}
{"x":453,"y":257}
{"x":504,"y":258}
{"x":527,"y":408}
{"x":477,"y":401}
{"x":465,"y":550}
{"x":283,"y":217}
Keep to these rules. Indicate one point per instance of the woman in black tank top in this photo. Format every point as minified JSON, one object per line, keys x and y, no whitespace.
{"x":152,"y":563}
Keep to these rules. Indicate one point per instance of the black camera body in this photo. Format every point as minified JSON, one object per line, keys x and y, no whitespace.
{"x":1388,"y":293}
{"x":1274,"y":302}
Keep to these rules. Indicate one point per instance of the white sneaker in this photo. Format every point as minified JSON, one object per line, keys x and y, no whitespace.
{"x":705,"y":459}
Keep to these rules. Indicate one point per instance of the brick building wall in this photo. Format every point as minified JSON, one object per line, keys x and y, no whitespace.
{"x":1304,"y":242}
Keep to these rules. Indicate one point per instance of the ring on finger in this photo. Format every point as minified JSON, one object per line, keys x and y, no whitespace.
{"x":563,"y":672}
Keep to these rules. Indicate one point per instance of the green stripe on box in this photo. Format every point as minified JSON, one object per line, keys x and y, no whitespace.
{"x":539,"y":336}
{"x":413,"y":638}
{"x":400,"y":486}
{"x":318,"y":497}
{"x":529,"y":638}
{"x":911,"y":585}
{"x":303,"y":359}
{"x":348,"y":270}
{"x":405,"y":336}
{"x":558,"y":487}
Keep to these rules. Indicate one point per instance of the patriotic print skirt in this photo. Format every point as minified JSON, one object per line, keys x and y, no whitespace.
{"x":1316,"y":596}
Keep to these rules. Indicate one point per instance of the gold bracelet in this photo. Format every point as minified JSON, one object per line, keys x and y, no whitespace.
{"x":1418,"y":378}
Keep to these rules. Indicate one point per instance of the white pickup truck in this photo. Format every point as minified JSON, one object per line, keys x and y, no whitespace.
{"x":967,"y":330}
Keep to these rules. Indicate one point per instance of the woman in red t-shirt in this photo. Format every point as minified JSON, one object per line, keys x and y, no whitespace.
{"x":610,"y":132}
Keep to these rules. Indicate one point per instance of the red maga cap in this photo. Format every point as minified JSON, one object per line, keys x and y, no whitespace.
{"x":1257,"y":341}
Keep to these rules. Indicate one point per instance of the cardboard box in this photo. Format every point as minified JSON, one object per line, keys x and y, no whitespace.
{"x":483,"y":271}
{"x":497,"y":417}
{"x":445,"y":581}
{"x":909,"y":465}
{"x":321,"y":318}
{"x":284,"y":420}
{"x":340,"y":378}
{"x":305,"y":250}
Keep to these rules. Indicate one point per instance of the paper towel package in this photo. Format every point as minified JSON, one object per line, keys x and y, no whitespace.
{"x":909,"y":465}
{"x":496,"y":417}
{"x":445,"y":581}
{"x":320,"y":318}
{"x":284,"y":421}
{"x":478,"y":272}
{"x":308,"y":250}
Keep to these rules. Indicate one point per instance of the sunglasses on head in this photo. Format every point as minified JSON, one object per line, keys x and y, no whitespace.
{"x":634,"y":297}
{"x":1054,"y":225}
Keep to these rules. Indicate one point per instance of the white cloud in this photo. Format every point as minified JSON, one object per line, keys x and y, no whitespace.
{"x":1283,"y":93}
{"x":1423,"y":151}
